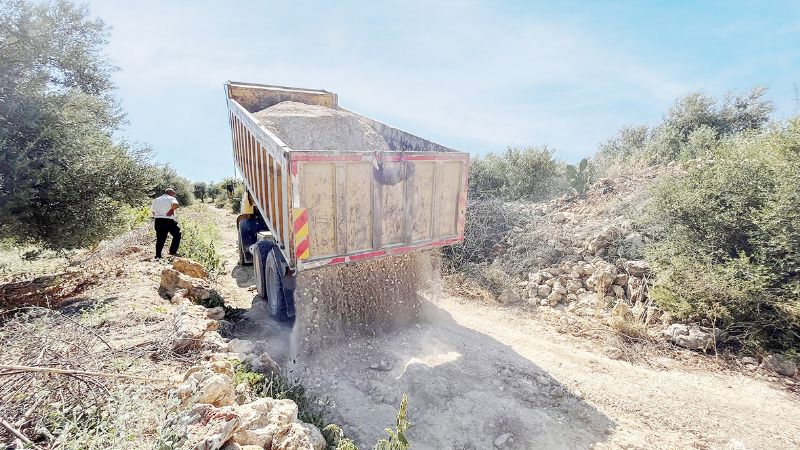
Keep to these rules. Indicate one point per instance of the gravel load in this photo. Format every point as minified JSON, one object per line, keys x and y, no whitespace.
{"x":312,"y":127}
{"x":369,"y":298}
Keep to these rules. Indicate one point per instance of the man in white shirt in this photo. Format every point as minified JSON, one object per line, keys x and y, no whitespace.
{"x":165,"y":222}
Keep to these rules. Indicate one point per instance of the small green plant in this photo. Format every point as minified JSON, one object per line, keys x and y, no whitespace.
{"x":397,"y":437}
{"x":580,"y":177}
{"x":338,"y":440}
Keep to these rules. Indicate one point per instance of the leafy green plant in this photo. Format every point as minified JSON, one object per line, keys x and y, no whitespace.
{"x":200,"y":189}
{"x":198,"y":242}
{"x":580,"y":177}
{"x":728,"y":247}
{"x":397,"y":438}
{"x":530,"y":173}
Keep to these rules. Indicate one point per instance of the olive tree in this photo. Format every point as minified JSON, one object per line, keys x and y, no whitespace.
{"x":63,"y":177}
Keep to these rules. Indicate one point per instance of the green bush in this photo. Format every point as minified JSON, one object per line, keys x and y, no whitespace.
{"x":691,"y":129}
{"x":198,"y":242}
{"x":728,"y":248}
{"x":200,"y":190}
{"x":486,"y":225}
{"x":530,"y":173}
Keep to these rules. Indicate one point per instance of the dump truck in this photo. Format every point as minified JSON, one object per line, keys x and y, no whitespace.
{"x":303,"y":208}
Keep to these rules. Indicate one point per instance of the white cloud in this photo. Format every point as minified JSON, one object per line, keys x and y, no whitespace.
{"x":461,"y":73}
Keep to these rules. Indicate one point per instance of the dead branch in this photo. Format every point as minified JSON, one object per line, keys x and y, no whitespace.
{"x":78,"y":372}
{"x":18,"y":434}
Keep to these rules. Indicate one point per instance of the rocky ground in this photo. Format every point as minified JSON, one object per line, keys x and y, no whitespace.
{"x":483,"y":375}
{"x":478,"y":374}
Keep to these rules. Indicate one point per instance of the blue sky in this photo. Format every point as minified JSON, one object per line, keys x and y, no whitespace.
{"x":475,"y":76}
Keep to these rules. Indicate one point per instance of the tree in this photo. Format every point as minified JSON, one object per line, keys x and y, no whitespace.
{"x":63,"y":177}
{"x":214,"y":190}
{"x":200,"y":190}
{"x":166,"y":177}
{"x":530,"y":173}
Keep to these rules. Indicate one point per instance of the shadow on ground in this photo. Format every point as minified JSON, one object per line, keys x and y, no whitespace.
{"x":466,"y":389}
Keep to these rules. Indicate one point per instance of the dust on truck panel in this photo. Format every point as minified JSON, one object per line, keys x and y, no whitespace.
{"x":340,"y":201}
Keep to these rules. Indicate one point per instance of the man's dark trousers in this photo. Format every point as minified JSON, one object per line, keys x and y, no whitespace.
{"x":164,"y":226}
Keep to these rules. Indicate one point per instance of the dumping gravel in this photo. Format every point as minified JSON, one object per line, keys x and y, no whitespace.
{"x":365,"y":298}
{"x":312,"y":127}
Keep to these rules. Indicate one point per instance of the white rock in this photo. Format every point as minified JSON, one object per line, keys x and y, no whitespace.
{"x":202,"y":427}
{"x":637,"y":268}
{"x":692,"y":337}
{"x":216,"y":313}
{"x":543,"y":291}
{"x":240,"y":346}
{"x":509,"y":297}
{"x":501,"y":440}
{"x":779,"y":364}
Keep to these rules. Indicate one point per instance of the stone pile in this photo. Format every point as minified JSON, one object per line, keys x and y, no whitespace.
{"x":584,"y":284}
{"x":209,"y":410}
{"x":186,"y":279}
{"x":209,"y":413}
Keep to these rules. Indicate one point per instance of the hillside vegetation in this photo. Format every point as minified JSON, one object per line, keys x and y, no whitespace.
{"x":708,"y":198}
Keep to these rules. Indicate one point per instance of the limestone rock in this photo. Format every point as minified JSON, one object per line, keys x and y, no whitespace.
{"x":190,"y":268}
{"x":500,"y":441}
{"x":172,"y":281}
{"x":543,"y":291}
{"x":509,"y":297}
{"x":779,"y":364}
{"x":264,"y":363}
{"x":692,"y":337}
{"x":192,"y":329}
{"x":202,"y":427}
{"x":240,"y":346}
{"x":637,"y":268}
{"x":315,"y":436}
{"x":263,"y":420}
{"x":216,"y":313}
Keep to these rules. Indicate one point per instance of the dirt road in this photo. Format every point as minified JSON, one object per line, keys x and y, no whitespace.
{"x":482,"y":377}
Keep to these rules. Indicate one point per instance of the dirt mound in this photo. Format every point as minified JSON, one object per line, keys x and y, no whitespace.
{"x":365,"y":298}
{"x":312,"y":127}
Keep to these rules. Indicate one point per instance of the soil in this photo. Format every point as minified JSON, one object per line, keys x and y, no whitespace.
{"x":482,"y":376}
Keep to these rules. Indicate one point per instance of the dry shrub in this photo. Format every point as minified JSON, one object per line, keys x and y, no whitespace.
{"x":462,"y":285}
{"x":629,"y":330}
{"x":45,"y":290}
{"x":41,"y":337}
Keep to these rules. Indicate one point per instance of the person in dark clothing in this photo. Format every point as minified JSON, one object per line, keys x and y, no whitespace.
{"x":166,"y":222}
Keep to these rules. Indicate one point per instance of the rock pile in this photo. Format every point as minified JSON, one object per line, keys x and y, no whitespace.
{"x":185,"y":279}
{"x":583,"y":286}
{"x":209,"y":415}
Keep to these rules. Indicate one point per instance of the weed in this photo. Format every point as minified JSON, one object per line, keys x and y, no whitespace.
{"x":198,"y":242}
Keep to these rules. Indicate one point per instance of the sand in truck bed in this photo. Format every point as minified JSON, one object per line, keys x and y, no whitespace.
{"x":317,"y":128}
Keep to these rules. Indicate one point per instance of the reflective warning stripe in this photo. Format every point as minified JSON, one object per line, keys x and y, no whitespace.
{"x":301,"y":249}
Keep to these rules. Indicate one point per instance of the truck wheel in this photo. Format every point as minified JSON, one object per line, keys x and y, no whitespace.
{"x":275,"y":298}
{"x":242,"y":261}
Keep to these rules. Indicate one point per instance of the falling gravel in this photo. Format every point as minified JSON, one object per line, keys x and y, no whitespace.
{"x":313,"y":127}
{"x":365,"y":298}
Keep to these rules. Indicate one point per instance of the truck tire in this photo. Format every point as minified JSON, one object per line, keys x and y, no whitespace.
{"x":276,"y":300}
{"x":242,"y":260}
{"x":260,"y":250}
